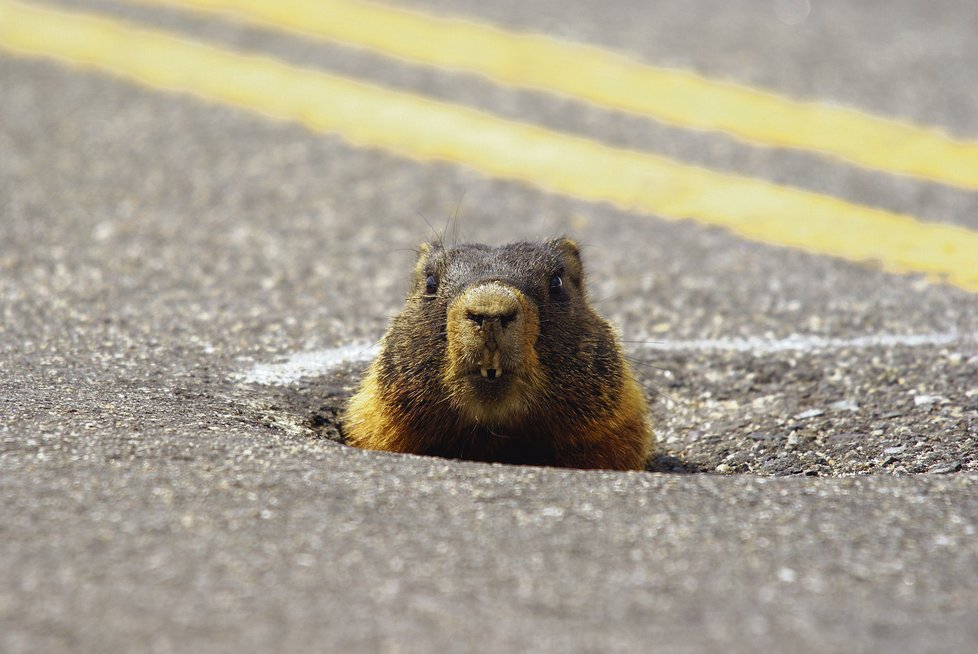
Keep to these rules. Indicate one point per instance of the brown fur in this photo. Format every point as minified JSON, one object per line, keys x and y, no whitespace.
{"x":492,"y":363}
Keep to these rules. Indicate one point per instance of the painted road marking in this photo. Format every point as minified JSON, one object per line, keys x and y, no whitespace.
{"x":316,"y":363}
{"x":422,"y":129}
{"x":615,"y":81}
{"x":812,"y":343}
{"x":311,"y":363}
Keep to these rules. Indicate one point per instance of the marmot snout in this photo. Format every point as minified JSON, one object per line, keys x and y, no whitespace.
{"x":492,"y":367}
{"x":498,"y":356}
{"x":493,"y":329}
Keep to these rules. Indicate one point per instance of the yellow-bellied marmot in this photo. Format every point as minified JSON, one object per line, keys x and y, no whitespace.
{"x":498,"y":356}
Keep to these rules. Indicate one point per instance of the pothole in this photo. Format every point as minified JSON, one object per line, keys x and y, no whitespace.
{"x":838,"y":413}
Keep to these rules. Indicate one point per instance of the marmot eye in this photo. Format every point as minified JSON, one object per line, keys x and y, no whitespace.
{"x":556,"y":284}
{"x":431,"y":285}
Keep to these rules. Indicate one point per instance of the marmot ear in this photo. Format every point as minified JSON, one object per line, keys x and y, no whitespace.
{"x":419,"y":266}
{"x":571,"y":253}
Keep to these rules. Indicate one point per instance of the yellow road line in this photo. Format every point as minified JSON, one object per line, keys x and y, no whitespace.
{"x":423,"y":129}
{"x":615,"y":81}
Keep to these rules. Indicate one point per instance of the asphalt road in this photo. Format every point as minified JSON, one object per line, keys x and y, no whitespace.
{"x":817,"y":417}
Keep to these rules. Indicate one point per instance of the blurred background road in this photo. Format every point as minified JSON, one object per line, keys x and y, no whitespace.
{"x":208,"y":210}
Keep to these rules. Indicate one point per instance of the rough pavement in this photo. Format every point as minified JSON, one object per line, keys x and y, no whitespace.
{"x":156,"y":248}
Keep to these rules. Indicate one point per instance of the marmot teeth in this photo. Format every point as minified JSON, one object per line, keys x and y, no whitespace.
{"x":492,"y":369}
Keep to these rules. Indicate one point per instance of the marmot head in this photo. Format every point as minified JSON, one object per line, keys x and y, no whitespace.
{"x":498,"y":356}
{"x":498,"y":322}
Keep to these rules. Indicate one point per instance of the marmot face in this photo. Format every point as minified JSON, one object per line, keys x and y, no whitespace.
{"x":497,"y":356}
{"x":494,"y":302}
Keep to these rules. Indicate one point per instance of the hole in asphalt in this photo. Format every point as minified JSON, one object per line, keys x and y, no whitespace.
{"x":741,"y":416}
{"x":312,"y":408}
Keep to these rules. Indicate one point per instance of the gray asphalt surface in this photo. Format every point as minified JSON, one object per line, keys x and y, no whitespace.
{"x":154,"y":248}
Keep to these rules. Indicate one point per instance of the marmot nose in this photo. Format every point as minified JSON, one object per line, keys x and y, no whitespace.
{"x":491,"y":303}
{"x":481,"y":318}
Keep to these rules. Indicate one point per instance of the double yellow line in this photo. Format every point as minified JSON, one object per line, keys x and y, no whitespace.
{"x":424,"y":129}
{"x":617,"y":82}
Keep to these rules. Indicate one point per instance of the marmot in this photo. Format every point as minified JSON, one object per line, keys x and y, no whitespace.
{"x":498,"y":356}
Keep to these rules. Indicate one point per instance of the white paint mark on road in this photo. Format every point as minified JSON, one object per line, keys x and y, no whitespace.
{"x":315,"y":363}
{"x":312,"y":363}
{"x":802,"y":343}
